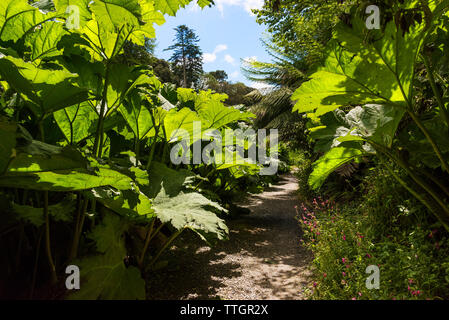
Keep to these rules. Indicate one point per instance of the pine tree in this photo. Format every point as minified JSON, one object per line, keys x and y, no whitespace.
{"x":187,"y":57}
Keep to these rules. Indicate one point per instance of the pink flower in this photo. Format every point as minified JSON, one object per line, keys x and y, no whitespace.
{"x":344,"y":274}
{"x":354,"y":298}
{"x":343,"y":260}
{"x":315,"y":284}
{"x":368,"y":255}
{"x":344,"y":237}
{"x":324,"y":275}
{"x":360,"y":294}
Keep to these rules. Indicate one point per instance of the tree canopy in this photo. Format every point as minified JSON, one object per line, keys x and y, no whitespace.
{"x":187,"y":56}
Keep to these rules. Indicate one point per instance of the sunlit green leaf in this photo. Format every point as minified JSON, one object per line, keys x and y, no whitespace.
{"x":18,"y":17}
{"x":332,"y":160}
{"x":43,"y":42}
{"x":105,"y":276}
{"x":48,"y":90}
{"x":77,"y":122}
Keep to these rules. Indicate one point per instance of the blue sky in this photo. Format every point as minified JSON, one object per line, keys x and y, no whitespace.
{"x":228,"y":32}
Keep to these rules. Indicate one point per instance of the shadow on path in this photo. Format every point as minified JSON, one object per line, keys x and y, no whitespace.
{"x":262,"y":260}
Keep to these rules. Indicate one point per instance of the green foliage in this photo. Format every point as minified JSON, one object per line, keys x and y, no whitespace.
{"x":172,"y":6}
{"x":18,"y":18}
{"x":187,"y":57}
{"x":137,"y":116}
{"x":62,"y":211}
{"x":383,"y":227}
{"x":302,"y":168}
{"x":329,"y":162}
{"x":75,"y":107}
{"x":216,"y":115}
{"x":376,"y":69}
{"x":217,"y":81}
{"x":77,"y":122}
{"x":8,"y":133}
{"x":183,"y":209}
{"x":46,"y":90}
{"x":188,"y":210}
{"x":105,"y":275}
{"x":303,"y":27}
{"x":219,"y":75}
{"x":273,"y":105}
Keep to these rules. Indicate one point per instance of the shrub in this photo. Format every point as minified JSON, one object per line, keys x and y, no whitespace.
{"x":381,"y":228}
{"x":303,"y":167}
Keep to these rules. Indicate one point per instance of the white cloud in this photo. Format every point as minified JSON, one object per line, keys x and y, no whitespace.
{"x":229,"y":59}
{"x":248,"y":5}
{"x":211,"y":57}
{"x":234,"y":75}
{"x":220,"y":48}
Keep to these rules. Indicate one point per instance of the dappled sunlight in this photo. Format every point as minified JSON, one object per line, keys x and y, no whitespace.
{"x":262,"y":259}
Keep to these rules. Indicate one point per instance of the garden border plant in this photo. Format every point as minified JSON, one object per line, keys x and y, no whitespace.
{"x":377,"y":69}
{"x":100,"y":166}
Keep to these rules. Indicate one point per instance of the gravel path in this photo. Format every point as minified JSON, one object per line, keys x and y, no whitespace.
{"x":262,"y":260}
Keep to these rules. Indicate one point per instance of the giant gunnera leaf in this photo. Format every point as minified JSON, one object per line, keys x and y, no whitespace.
{"x":170,"y":7}
{"x":18,"y":17}
{"x":373,"y":122}
{"x":105,"y":276}
{"x":332,"y":160}
{"x":365,"y":66}
{"x":125,"y":202}
{"x":62,"y":211}
{"x":192,"y":211}
{"x":174,"y":204}
{"x":46,"y":90}
{"x":40,"y":166}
